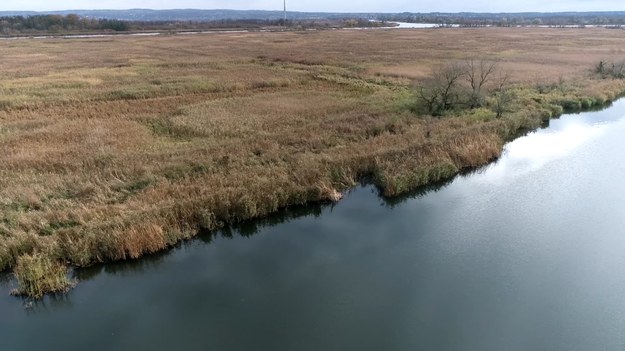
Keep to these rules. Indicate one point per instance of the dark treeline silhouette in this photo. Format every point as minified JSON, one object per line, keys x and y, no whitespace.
{"x":25,"y":25}
{"x":58,"y":23}
{"x":512,"y":19}
{"x":253,"y":23}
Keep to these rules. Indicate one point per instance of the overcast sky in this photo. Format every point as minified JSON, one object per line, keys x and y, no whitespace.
{"x":327,"y":5}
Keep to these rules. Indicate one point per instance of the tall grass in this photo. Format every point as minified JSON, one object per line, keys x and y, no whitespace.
{"x":119,"y":148}
{"x":38,"y":274}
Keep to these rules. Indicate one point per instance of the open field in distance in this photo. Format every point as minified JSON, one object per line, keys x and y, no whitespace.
{"x":117,"y":147}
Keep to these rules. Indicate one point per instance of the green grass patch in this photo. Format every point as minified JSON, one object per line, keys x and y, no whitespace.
{"x":38,"y":274}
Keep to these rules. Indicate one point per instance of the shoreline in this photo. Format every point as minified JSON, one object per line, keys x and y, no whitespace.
{"x":333,"y":196}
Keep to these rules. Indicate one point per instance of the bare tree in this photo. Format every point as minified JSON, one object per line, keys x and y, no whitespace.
{"x":618,"y":70}
{"x":502,"y":95}
{"x":429,"y":98}
{"x":608,"y":69}
{"x":478,"y":74}
{"x":467,"y":85}
{"x":601,"y":68}
{"x":448,"y":77}
{"x":441,"y":92}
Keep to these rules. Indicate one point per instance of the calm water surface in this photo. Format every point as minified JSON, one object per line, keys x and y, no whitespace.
{"x":526,"y":254}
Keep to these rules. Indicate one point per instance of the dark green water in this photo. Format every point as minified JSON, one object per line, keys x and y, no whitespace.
{"x":526,"y":254}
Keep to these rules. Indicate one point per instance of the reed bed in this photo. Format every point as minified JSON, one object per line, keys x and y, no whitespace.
{"x":120,"y":147}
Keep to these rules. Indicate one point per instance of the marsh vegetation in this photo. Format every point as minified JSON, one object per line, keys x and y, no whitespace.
{"x":115,"y":148}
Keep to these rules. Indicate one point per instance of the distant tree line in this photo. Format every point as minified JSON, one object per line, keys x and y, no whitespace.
{"x":254,"y":23}
{"x":24,"y":25}
{"x":58,"y":23}
{"x":510,"y":19}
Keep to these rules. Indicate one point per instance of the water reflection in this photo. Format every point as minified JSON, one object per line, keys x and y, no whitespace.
{"x":538,"y":149}
{"x":51,"y":304}
{"x":5,"y":278}
{"x":123,"y":268}
{"x":253,"y":227}
{"x":392,"y":202}
{"x":243,"y":229}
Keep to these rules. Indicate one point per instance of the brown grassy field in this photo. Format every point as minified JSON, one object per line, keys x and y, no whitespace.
{"x":114,"y":148}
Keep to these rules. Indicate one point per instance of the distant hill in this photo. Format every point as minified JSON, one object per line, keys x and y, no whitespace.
{"x":604,"y":18}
